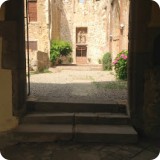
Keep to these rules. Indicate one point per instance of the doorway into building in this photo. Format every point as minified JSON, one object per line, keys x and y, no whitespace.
{"x":81,"y":45}
{"x":138,"y":39}
{"x":83,"y":78}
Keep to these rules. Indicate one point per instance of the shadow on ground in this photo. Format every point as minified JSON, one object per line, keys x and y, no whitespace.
{"x":100,"y":92}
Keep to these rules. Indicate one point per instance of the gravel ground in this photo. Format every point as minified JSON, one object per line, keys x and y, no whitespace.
{"x":77,"y":86}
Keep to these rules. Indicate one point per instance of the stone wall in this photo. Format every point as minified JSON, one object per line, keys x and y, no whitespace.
{"x":55,"y":20}
{"x":118,"y":28}
{"x":106,"y":23}
{"x":93,"y":16}
{"x":39,"y":32}
{"x":151,"y":107}
{"x":144,"y":77}
{"x":97,"y":18}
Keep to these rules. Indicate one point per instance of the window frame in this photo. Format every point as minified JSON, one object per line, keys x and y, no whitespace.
{"x":32,"y":18}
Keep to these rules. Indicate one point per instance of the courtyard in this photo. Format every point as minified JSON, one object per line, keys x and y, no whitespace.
{"x":78,"y":84}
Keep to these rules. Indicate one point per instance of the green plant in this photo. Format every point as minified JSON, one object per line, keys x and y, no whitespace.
{"x":70,"y":59}
{"x":54,"y":53}
{"x":120,"y":64}
{"x":99,"y":61}
{"x":59,"y":48}
{"x":107,"y":61}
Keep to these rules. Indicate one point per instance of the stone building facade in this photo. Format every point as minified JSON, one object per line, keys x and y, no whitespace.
{"x":103,"y":24}
{"x":39,"y":34}
{"x":92,"y":27}
{"x":83,"y":24}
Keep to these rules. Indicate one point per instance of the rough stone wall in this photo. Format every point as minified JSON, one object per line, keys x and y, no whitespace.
{"x":152,"y":102}
{"x":55,"y":20}
{"x":40,"y":31}
{"x":101,"y":18}
{"x":125,"y":20}
{"x":119,"y":18}
{"x":91,"y":14}
{"x":151,"y":109}
{"x":96,"y":16}
{"x":144,"y":77}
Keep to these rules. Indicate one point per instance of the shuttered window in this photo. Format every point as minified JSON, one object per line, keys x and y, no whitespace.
{"x":32,"y":45}
{"x":32,"y":10}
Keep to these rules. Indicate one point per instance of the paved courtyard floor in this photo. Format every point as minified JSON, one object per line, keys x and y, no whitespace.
{"x":73,"y":85}
{"x":85,"y":151}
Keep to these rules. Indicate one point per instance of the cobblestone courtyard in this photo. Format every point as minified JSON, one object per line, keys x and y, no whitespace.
{"x":73,"y":85}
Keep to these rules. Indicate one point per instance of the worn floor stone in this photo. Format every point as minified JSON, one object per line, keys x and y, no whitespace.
{"x":81,"y":151}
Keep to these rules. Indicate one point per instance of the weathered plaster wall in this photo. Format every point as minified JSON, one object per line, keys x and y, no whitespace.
{"x":7,"y":121}
{"x":91,"y":14}
{"x":40,"y":31}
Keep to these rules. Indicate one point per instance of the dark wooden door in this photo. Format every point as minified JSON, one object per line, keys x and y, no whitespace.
{"x":81,"y":54}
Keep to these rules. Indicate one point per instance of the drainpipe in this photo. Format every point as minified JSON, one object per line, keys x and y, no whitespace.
{"x":27,"y":47}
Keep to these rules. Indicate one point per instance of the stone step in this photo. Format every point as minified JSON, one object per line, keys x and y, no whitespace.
{"x":48,"y":118}
{"x":37,"y":106}
{"x":79,"y":133}
{"x":76,"y":118}
{"x":80,"y":67}
{"x":43,"y":133}
{"x":102,"y":118}
{"x":105,"y":133}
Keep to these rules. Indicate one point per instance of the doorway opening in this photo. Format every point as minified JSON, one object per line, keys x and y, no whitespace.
{"x":81,"y":45}
{"x":80,"y":76}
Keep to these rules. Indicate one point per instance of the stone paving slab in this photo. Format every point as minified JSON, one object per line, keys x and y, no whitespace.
{"x":43,"y":132}
{"x":145,"y":155}
{"x":80,"y":151}
{"x":44,"y":128}
{"x":105,"y":133}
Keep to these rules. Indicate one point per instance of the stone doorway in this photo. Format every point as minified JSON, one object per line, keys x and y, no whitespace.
{"x":114,"y":110}
{"x":81,"y":54}
{"x":81,"y":45}
{"x":142,"y":33}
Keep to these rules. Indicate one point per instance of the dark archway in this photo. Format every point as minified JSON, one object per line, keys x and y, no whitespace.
{"x":140,"y":51}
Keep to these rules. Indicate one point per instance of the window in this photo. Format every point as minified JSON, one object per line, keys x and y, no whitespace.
{"x":32,"y":45}
{"x":32,"y":10}
{"x":81,"y":51}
